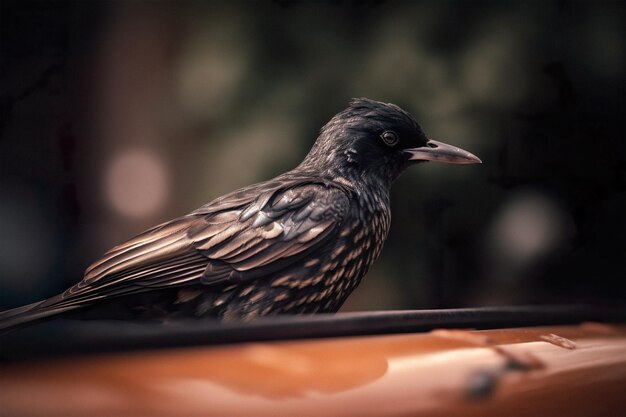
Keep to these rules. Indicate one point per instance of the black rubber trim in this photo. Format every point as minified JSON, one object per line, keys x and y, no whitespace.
{"x":63,"y":338}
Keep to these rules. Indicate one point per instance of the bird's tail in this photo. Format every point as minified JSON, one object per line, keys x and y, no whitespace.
{"x":30,"y":314}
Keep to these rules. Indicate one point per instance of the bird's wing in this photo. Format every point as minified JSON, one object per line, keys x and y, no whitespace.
{"x":272,"y":232}
{"x":231,"y":240}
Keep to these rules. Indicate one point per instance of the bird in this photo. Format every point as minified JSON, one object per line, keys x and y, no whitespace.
{"x":299,"y":243}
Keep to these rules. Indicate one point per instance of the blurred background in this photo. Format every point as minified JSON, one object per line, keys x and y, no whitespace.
{"x":118,"y":115}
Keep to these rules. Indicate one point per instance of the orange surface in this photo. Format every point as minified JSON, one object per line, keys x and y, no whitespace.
{"x":568,"y":370}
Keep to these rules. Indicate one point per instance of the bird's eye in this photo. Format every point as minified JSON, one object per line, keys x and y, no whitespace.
{"x":390,"y":138}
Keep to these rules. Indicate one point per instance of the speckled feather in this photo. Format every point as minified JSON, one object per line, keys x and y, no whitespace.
{"x":296,"y":249}
{"x":298,"y":243}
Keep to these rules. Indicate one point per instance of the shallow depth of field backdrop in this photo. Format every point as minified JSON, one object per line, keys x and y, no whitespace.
{"x":115,"y":116}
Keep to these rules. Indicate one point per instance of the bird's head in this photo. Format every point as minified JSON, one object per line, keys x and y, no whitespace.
{"x":377,"y":141}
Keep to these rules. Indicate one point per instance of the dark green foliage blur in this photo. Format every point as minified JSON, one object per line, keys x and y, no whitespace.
{"x":115,"y":116}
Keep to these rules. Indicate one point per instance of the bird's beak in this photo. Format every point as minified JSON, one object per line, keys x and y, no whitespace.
{"x":441,"y":152}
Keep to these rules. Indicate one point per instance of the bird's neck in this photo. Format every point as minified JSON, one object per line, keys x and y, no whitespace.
{"x":371,"y":191}
{"x":363,"y":182}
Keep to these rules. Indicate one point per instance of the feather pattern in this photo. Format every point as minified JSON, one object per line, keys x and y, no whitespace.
{"x":298,"y":243}
{"x":236,"y":239}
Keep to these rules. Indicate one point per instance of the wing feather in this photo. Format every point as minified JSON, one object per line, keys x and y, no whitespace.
{"x":300,"y":219}
{"x":248,"y":234}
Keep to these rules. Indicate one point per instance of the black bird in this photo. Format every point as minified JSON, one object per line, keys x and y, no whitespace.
{"x":296,"y":244}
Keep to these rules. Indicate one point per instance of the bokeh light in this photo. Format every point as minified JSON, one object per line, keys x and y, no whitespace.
{"x":528,"y":227}
{"x":136,"y":183}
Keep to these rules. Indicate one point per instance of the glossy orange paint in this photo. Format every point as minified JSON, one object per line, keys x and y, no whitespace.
{"x":540,"y":371}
